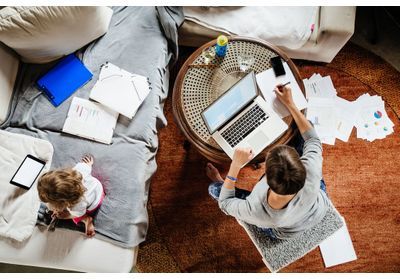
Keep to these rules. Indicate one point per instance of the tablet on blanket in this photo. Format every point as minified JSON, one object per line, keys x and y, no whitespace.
{"x":27,"y":172}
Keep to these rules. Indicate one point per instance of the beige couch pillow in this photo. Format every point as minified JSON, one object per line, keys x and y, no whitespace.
{"x":9,"y":63}
{"x":45,"y":33}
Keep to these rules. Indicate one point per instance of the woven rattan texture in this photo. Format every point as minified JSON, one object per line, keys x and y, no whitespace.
{"x":202,"y":85}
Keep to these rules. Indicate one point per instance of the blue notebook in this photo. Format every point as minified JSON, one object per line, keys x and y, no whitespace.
{"x":64,"y":79}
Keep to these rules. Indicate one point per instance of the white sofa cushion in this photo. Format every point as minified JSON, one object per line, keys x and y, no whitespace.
{"x":282,"y":26}
{"x":42,"y":34}
{"x":8,"y":73}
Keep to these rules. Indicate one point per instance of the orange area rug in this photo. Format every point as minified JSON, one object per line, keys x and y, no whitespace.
{"x":188,"y":232}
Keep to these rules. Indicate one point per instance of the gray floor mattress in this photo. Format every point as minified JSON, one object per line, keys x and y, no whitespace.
{"x":141,"y":40}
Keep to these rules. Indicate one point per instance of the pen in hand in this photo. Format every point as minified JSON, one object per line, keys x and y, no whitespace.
{"x":282,"y":85}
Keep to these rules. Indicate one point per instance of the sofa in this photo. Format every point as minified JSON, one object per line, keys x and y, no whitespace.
{"x":331,"y":27}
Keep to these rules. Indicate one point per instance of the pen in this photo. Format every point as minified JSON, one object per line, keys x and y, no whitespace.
{"x":283,"y":85}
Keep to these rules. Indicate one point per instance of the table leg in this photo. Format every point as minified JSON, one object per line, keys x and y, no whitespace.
{"x":187,"y":145}
{"x":256,"y":166}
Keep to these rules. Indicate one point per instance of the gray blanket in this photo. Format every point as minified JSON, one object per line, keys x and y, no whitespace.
{"x":141,"y":40}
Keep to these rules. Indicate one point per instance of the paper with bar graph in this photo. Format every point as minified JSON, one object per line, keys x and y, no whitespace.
{"x":90,"y":120}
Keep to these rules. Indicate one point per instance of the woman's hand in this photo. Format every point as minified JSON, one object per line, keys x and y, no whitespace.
{"x":284,"y":94}
{"x":241,"y":157}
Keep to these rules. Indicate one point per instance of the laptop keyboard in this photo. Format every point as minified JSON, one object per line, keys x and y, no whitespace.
{"x":243,"y":126}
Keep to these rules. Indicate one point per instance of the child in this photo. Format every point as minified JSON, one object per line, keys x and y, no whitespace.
{"x":72,"y":193}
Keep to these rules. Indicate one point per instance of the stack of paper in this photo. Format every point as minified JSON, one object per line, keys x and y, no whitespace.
{"x":334,"y":117}
{"x":267,"y":81}
{"x":120,"y":90}
{"x":319,"y":86}
{"x":322,"y":110}
{"x":372,"y":121}
{"x":345,"y":112}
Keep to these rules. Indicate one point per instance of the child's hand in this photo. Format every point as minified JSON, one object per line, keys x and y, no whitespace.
{"x":61,"y":214}
{"x":88,"y":159}
{"x":89,"y":226}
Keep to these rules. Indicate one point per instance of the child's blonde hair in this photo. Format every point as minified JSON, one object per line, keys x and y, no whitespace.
{"x":61,"y":188}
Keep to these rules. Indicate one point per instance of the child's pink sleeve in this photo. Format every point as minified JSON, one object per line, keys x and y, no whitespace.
{"x":76,"y":220}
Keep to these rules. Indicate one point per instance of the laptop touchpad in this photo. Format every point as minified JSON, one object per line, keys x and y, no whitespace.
{"x":259,"y":140}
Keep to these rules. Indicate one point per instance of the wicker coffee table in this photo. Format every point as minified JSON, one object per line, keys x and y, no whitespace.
{"x":197,"y":85}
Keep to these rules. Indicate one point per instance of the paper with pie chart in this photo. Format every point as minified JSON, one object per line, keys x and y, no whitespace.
{"x":372,"y":120}
{"x":334,"y":117}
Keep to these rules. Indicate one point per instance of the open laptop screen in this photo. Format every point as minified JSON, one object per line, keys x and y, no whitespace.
{"x":231,"y":102}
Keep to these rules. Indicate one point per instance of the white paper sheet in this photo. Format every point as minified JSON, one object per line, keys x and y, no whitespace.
{"x":321,"y":113}
{"x":319,"y":87}
{"x":338,"y":248}
{"x":372,"y":121}
{"x":346,"y":113}
{"x":120,"y":90}
{"x":367,"y":113}
{"x":267,"y":81}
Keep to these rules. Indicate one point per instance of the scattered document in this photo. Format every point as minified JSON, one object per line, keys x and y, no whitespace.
{"x":90,"y":120}
{"x":120,"y":90}
{"x":321,"y":112}
{"x":345,"y":112}
{"x":319,"y":87}
{"x":338,"y":248}
{"x":333,"y":117}
{"x":372,"y":121}
{"x":267,"y":81}
{"x":367,"y":113}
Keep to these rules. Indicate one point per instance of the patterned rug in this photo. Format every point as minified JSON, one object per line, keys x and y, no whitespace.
{"x":188,"y":232}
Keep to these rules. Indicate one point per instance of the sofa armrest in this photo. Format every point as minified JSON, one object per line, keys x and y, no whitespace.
{"x":337,"y":20}
{"x":8,"y":73}
{"x":194,"y":34}
{"x":336,"y":26}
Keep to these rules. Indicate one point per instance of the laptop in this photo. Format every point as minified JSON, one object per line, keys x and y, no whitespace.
{"x":241,"y":118}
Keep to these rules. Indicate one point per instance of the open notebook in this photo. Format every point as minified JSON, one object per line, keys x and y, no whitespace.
{"x":90,"y":120}
{"x":120,"y":90}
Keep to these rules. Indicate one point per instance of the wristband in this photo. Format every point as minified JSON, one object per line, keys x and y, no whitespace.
{"x":231,"y":178}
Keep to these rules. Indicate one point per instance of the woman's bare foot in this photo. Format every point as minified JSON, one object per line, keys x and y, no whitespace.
{"x":88,"y":159}
{"x":89,"y":226}
{"x":213,"y":173}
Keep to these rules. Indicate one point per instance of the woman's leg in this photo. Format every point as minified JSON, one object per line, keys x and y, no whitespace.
{"x":322,"y":186}
{"x":214,"y":189}
{"x":269,"y":232}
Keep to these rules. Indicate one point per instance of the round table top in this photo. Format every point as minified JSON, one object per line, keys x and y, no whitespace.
{"x":198,"y":84}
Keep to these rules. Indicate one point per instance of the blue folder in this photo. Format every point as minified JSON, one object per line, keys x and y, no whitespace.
{"x":64,"y":79}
